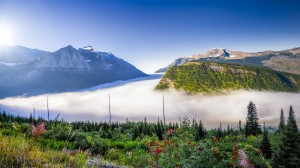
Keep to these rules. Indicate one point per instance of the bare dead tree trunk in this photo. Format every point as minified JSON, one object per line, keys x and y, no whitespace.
{"x":164,"y":111}
{"x":33,"y":114}
{"x":109,"y":110}
{"x":48,"y":108}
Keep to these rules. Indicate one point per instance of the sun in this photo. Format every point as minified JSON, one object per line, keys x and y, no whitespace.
{"x":6,"y":35}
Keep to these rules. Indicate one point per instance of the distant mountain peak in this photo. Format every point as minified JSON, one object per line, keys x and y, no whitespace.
{"x":89,"y":48}
{"x":218,"y":52}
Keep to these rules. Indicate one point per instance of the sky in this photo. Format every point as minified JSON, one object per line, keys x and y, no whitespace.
{"x":150,"y":34}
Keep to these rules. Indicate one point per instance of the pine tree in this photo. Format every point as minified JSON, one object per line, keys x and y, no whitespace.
{"x":200,"y":132}
{"x":220,"y":132}
{"x":159,"y":130}
{"x":240,"y":125}
{"x":288,"y":154}
{"x":252,"y":126}
{"x":228,"y":130}
{"x":135,"y":133}
{"x":282,"y":122}
{"x":265,"y":145}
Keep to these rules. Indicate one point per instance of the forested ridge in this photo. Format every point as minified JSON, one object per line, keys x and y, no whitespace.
{"x":205,"y":77}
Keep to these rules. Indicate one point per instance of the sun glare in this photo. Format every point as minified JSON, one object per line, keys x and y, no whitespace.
{"x":6,"y":35}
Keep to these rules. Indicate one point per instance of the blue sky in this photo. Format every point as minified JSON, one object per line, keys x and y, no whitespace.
{"x":150,"y":33}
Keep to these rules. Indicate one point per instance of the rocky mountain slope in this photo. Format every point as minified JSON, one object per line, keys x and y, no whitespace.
{"x":13,"y":55}
{"x":208,"y":77}
{"x":285,"y":60}
{"x":64,"y":70}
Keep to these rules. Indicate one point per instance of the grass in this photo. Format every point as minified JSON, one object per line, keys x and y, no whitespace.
{"x":19,"y":151}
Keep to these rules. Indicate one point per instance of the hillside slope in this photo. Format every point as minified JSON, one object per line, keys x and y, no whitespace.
{"x":206,"y":77}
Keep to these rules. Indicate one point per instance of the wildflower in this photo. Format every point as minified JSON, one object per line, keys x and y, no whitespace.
{"x":234,"y":145}
{"x":37,"y":131}
{"x":155,"y":142}
{"x":243,"y":162}
{"x":216,"y":139}
{"x":165,"y":142}
{"x":175,"y":156}
{"x":231,"y":164}
{"x":258,"y":151}
{"x":170,"y":131}
{"x":150,"y":145}
{"x":158,"y":150}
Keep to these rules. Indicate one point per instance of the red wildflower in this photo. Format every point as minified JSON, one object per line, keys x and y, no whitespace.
{"x":235,"y":152}
{"x":158,"y":150}
{"x":165,"y":142}
{"x":234,"y":145}
{"x":150,"y":145}
{"x":170,"y":131}
{"x":258,"y":151}
{"x":216,"y":139}
{"x":175,"y":156}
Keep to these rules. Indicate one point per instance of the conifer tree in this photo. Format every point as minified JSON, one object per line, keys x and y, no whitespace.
{"x":135,"y":133}
{"x":282,"y":122}
{"x":159,"y":130}
{"x":220,"y":132}
{"x":228,"y":130}
{"x":265,"y":145}
{"x":288,"y":154}
{"x":252,"y":126}
{"x":200,"y":132}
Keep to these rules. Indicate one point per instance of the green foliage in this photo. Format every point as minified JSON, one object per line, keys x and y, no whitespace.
{"x":200,"y":131}
{"x":282,"y":122}
{"x":183,"y":144}
{"x":288,"y":154}
{"x":22,"y":152}
{"x":205,"y":77}
{"x":266,"y":146}
{"x":252,"y":126}
{"x":90,"y":142}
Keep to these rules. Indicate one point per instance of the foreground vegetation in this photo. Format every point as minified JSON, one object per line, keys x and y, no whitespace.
{"x":29,"y":142}
{"x":207,"y":77}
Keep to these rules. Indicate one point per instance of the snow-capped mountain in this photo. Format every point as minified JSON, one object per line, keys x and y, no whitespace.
{"x":65,"y":58}
{"x":66,"y":69}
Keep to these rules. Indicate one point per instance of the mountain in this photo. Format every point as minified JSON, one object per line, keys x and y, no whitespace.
{"x":64,"y":70}
{"x":210,"y":77}
{"x":285,"y":60}
{"x":14,"y":55}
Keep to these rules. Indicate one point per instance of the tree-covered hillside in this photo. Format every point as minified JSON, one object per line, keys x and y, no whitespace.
{"x":206,"y":77}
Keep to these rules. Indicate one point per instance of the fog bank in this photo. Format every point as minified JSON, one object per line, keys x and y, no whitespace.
{"x":137,"y":99}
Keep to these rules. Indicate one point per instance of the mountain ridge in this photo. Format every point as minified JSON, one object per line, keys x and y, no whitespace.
{"x":283,"y":60}
{"x":211,"y":77}
{"x":66,"y":69}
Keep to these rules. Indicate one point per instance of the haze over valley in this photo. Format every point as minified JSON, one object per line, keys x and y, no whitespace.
{"x":138,"y":99}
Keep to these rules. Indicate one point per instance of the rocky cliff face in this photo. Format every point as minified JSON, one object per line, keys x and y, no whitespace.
{"x":65,"y":58}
